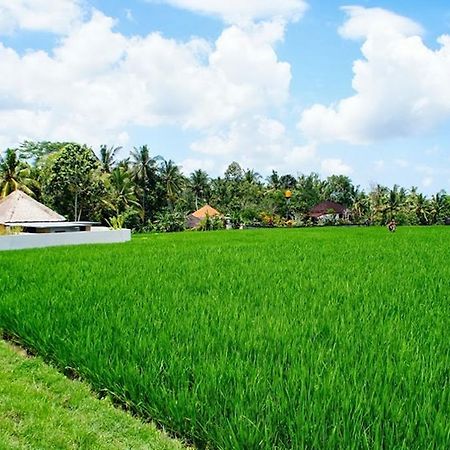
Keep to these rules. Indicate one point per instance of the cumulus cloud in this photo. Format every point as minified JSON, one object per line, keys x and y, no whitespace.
{"x":257,"y":141}
{"x":244,"y":11}
{"x":374,"y":22}
{"x":39,"y":15}
{"x":336,"y":166}
{"x":189,"y":165}
{"x":96,"y":82}
{"x":401,"y":86}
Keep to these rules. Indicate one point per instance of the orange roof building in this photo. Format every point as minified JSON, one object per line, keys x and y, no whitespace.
{"x":196,"y":217}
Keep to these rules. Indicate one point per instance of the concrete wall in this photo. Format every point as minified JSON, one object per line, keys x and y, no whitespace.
{"x":21,"y":241}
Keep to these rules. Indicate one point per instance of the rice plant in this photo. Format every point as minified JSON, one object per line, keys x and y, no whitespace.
{"x":268,"y":339}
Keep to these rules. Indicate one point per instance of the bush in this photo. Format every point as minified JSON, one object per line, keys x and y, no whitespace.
{"x":210,"y":224}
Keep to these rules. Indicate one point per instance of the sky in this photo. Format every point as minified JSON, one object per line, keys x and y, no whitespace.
{"x":359,"y":89}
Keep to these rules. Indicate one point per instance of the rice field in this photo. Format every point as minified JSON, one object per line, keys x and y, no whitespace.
{"x":261,"y":339}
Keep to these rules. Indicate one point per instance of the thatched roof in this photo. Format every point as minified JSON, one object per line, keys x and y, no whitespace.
{"x":19,"y":207}
{"x":326,"y":207}
{"x":206,"y":211}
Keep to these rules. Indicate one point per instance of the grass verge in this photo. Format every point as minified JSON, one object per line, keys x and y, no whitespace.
{"x":42,"y":409}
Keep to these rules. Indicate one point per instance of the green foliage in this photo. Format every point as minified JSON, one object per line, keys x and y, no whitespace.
{"x":144,"y":171}
{"x":339,"y":189}
{"x":172,"y":181}
{"x":14,"y":174}
{"x":116,"y":223}
{"x":169,"y":221}
{"x":210,"y":224}
{"x":269,"y":339}
{"x":107,"y":157}
{"x":72,"y":183}
{"x":37,"y":152}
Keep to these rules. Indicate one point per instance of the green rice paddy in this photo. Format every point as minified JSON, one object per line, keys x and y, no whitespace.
{"x":267,"y":339}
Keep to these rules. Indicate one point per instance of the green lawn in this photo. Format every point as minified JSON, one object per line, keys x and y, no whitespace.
{"x":41,"y":409}
{"x":255,"y":339}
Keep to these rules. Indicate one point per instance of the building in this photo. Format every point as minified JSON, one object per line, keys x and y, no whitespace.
{"x":328,"y":211}
{"x":26,"y":223}
{"x":196,"y":217}
{"x":19,"y":210}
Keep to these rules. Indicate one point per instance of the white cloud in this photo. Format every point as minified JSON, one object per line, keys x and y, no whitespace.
{"x":366,"y":23}
{"x":97,"y":82}
{"x":401,"y":85}
{"x":431,"y":173}
{"x":259,"y":142}
{"x":56,"y":16}
{"x":335,"y":167}
{"x":244,"y":11}
{"x":189,"y":165}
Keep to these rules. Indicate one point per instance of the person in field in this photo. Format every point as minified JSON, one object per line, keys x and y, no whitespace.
{"x":392,"y":226}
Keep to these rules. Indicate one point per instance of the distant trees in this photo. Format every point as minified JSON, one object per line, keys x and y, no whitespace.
{"x":146,"y":192}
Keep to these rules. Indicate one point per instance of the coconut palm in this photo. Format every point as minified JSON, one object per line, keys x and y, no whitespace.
{"x":252,"y":177}
{"x":273,"y":181}
{"x":14,"y":174}
{"x":144,"y":171}
{"x":199,"y":184}
{"x":107,"y":155}
{"x":122,"y":186}
{"x":422,"y":209}
{"x":172,"y":180}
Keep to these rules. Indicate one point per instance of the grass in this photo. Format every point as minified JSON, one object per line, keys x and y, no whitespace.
{"x":268,"y":339}
{"x":42,"y":409}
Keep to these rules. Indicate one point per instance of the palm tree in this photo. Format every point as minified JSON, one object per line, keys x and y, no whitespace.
{"x":123,"y":190}
{"x":252,"y":177}
{"x":273,"y":181}
{"x":396,"y":200}
{"x":422,"y":208}
{"x":107,"y":157}
{"x":172,"y":180}
{"x":437,"y":206}
{"x":14,"y":174}
{"x":199,"y":183}
{"x":143,"y":168}
{"x":361,"y":206}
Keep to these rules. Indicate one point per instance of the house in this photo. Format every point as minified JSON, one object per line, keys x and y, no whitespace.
{"x":26,"y":223}
{"x":19,"y":210}
{"x":329,"y":210}
{"x":196,"y":217}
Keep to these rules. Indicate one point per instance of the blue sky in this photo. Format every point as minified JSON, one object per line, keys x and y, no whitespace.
{"x":292,"y":85}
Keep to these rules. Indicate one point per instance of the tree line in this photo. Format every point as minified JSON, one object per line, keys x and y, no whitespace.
{"x":146,"y":192}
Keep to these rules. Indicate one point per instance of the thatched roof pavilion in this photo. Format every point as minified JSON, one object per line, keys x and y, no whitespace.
{"x":20,"y":210}
{"x":19,"y":207}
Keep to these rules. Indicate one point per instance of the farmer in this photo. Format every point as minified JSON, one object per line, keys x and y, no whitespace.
{"x":392,"y":226}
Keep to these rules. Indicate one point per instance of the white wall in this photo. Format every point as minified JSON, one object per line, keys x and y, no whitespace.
{"x":21,"y":241}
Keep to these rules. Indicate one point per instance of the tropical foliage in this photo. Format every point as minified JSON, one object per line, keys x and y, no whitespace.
{"x":147,"y":192}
